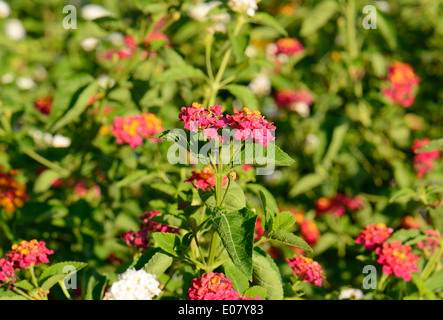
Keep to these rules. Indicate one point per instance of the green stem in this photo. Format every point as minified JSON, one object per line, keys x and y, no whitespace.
{"x":51,"y":165}
{"x":430,"y":266}
{"x":65,"y":291}
{"x":350,"y":23}
{"x":33,"y":278}
{"x":20,"y":292}
{"x":215,"y":85}
{"x":382,"y":283}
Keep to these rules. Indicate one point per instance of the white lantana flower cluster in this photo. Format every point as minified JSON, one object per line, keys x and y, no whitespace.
{"x":201,"y":12}
{"x":244,"y":6}
{"x":134,"y":285}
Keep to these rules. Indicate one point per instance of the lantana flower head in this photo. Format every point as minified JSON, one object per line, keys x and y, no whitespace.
{"x":29,"y":252}
{"x":306,"y":269}
{"x":197,"y":118}
{"x":7,"y":271}
{"x":431,"y":243}
{"x":397,"y":259}
{"x":289,"y":46}
{"x":409,"y":222}
{"x":12,"y":193}
{"x":132,"y":129}
{"x":373,"y":235}
{"x":423,"y":161}
{"x":294,"y":100}
{"x":44,"y":105}
{"x":402,"y":82}
{"x":309,"y":231}
{"x":214,"y":286}
{"x":337,"y":205}
{"x":134,"y":285}
{"x":140,"y":239}
{"x":204,"y":179}
{"x":252,"y":125}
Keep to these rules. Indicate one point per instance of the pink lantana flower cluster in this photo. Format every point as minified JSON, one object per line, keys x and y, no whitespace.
{"x":204,"y":179}
{"x":140,"y":239}
{"x":431,"y":243}
{"x":397,"y":259}
{"x":246,"y":124}
{"x":44,"y":105}
{"x":23,"y":255}
{"x":214,"y":286}
{"x":423,"y":161}
{"x":337,"y":205}
{"x":132,"y":129}
{"x":289,"y":98}
{"x":402,"y":83}
{"x":306,"y":269}
{"x":373,"y":235}
{"x":288,"y":46}
{"x":130,"y":47}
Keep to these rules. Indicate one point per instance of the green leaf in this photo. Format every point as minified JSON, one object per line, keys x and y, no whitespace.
{"x":431,"y":146}
{"x":308,"y":182}
{"x":245,"y":95}
{"x":154,"y":261}
{"x":318,"y":17}
{"x":289,"y":238}
{"x":24,"y":284}
{"x":284,"y":220}
{"x":402,"y":193}
{"x":66,"y":89}
{"x":387,"y":30}
{"x":131,"y":178}
{"x":254,"y":291}
{"x":77,"y":109}
{"x":338,"y":137}
{"x":94,"y":286}
{"x":239,"y":44}
{"x":266,"y":19}
{"x":404,"y":235}
{"x":180,"y":72}
{"x":435,"y":282}
{"x":167,"y":241}
{"x":238,"y":279}
{"x":45,"y":180}
{"x":268,"y":213}
{"x":147,"y":6}
{"x":270,"y":200}
{"x":233,"y":201}
{"x":261,"y":156}
{"x":267,"y":275}
{"x":52,"y":281}
{"x":59,"y":269}
{"x":236,"y":230}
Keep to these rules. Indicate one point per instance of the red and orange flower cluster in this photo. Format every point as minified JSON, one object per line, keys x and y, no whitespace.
{"x":44,"y":105}
{"x":373,"y":235}
{"x":395,"y":257}
{"x":338,"y":205}
{"x":398,"y":259}
{"x":12,"y":193}
{"x":291,"y":98}
{"x":132,"y":129}
{"x":247,"y":124}
{"x":204,"y":180}
{"x":306,"y":269}
{"x":140,"y":239}
{"x":22,"y":256}
{"x":130,"y":47}
{"x":214,"y":286}
{"x":288,"y":46}
{"x":402,"y":83}
{"x":423,"y":161}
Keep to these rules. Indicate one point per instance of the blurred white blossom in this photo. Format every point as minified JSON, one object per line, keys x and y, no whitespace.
{"x":354,"y":294}
{"x":94,"y":11}
{"x":302,"y":108}
{"x":243,"y":6}
{"x":134,"y":285}
{"x":57,"y":141}
{"x":5,"y":10}
{"x":260,"y":85}
{"x":200,"y":13}
{"x":89,"y":44}
{"x":7,"y":78}
{"x":14,"y":29}
{"x":25,"y":83}
{"x":105,"y":81}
